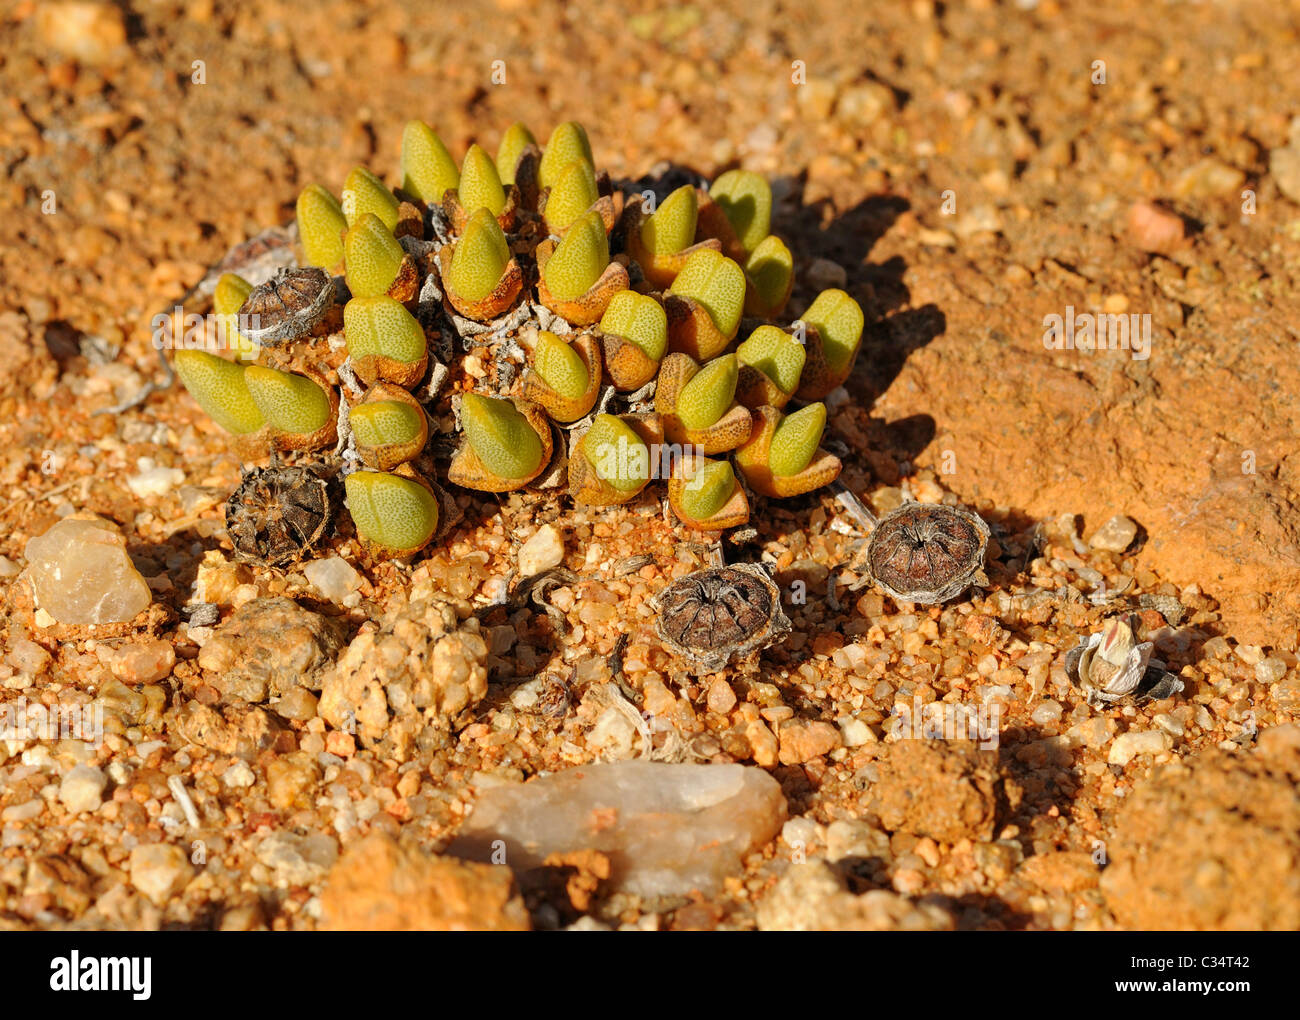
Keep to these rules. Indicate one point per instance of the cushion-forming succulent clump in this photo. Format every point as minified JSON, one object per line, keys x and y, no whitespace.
{"x":675,"y":312}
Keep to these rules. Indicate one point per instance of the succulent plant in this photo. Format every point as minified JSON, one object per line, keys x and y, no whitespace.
{"x":611,"y":462}
{"x":704,"y":305}
{"x":564,"y":378}
{"x":571,"y":196}
{"x":578,"y":280}
{"x":481,"y":188}
{"x":771,"y":362}
{"x":782,"y":457}
{"x":835,"y":324}
{"x":482,"y":277}
{"x":634,"y":337}
{"x":395,"y":514}
{"x":507,"y":444}
{"x":516,"y":139}
{"x":745,"y":199}
{"x":567,"y":142}
{"x":385,"y":341}
{"x":428,"y":171}
{"x":390,"y":427}
{"x":321,"y":225}
{"x":769,"y":278}
{"x":705,"y":495}
{"x":220,"y":389}
{"x":363,"y":193}
{"x":228,"y":298}
{"x":698,"y":405}
{"x":664,"y":241}
{"x":302,"y":413}
{"x":373,"y":257}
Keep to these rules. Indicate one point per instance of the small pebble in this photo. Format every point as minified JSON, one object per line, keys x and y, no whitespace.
{"x":1154,"y":229}
{"x":82,"y":789}
{"x":1115,"y":535}
{"x":81,"y":574}
{"x":1128,"y":746}
{"x":544,"y":550}
{"x":334,"y":577}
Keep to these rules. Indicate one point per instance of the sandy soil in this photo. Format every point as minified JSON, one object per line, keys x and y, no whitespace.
{"x":972,"y":168}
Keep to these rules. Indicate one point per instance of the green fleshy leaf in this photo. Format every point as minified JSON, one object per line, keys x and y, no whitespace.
{"x":617,"y":453}
{"x":559,"y":366}
{"x":718,"y":284}
{"x":567,"y":142}
{"x":385,"y":423}
{"x":776,"y":354}
{"x":839,"y":320}
{"x":427,"y":167}
{"x":219,"y":388}
{"x":363,"y":193}
{"x":710,"y":486}
{"x":381,"y":326}
{"x":746,"y":200}
{"x":290,"y":402}
{"x":573,"y":194}
{"x":794,"y":443}
{"x":770,"y":267}
{"x":513,"y":143}
{"x":479,"y":258}
{"x":710,"y":392}
{"x":373,"y":257}
{"x":672,"y":226}
{"x":321,"y":224}
{"x":501,"y":436}
{"x":640,"y":319}
{"x":231,"y":292}
{"x":480,"y":185}
{"x":390,"y":510}
{"x":579,"y":258}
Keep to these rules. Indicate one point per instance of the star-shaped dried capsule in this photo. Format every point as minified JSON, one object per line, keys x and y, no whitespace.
{"x":927,"y":553}
{"x":279,"y":514}
{"x":714,"y":616}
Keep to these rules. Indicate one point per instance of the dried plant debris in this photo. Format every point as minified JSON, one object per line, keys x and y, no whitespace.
{"x":287,"y":306}
{"x":279,"y":514}
{"x":1113,"y":665}
{"x":927,"y":553}
{"x":719,"y":614}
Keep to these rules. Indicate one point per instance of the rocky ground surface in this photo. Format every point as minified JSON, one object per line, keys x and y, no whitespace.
{"x":328,"y":747}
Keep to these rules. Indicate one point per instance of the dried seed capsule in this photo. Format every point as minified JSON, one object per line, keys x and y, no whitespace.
{"x":634,"y":338}
{"x":428,"y":171}
{"x":321,"y":225}
{"x":507,"y":444}
{"x":363,"y":193}
{"x":704,"y":305}
{"x":389,"y":426}
{"x":567,"y":142}
{"x":289,"y":305}
{"x":279,"y":514}
{"x":385,"y":341}
{"x":395,"y":514}
{"x":771,"y":361}
{"x":769,"y":278}
{"x":927,"y":553}
{"x":716,"y":615}
{"x":781,"y":457}
{"x":834,"y":336}
{"x":745,"y":198}
{"x":564,"y":378}
{"x":218,"y":386}
{"x":302,"y":413}
{"x":373,"y":257}
{"x":513,"y":143}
